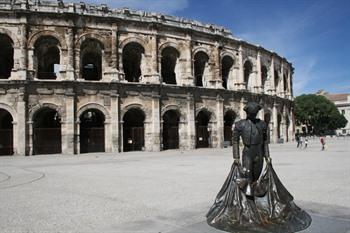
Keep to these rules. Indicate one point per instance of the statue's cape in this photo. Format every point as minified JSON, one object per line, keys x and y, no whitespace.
{"x":271,"y":210}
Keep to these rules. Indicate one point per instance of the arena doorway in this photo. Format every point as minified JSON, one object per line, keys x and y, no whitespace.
{"x":47,"y":132}
{"x":6,"y":133}
{"x":171,"y":130}
{"x":92,"y":131}
{"x":202,"y":129}
{"x":133,"y":130}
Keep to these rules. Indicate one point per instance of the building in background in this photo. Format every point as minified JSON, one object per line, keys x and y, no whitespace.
{"x":342,"y":102}
{"x":78,"y":78}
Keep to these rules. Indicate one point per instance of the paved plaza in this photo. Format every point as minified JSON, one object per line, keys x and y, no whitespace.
{"x":163,"y":192}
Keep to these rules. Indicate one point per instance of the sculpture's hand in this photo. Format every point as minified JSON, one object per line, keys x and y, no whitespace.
{"x":268,"y":160}
{"x":236,"y":161}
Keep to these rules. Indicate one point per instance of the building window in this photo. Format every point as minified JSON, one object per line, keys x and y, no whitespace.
{"x":343,"y":112}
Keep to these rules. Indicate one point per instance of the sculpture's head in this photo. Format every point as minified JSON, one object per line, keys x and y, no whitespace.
{"x":252,"y":109}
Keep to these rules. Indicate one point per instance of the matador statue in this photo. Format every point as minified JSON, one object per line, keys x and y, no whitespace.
{"x":251,"y":201}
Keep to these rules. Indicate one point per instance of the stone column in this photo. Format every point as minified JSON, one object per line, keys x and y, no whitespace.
{"x":108,"y":136}
{"x":259,"y":88}
{"x":149,"y":62}
{"x":183,"y":136}
{"x":67,"y":127}
{"x":77,"y":136}
{"x":115,"y":122}
{"x":154,"y":140}
{"x":121,"y":141}
{"x":19,"y":129}
{"x":240,"y":81}
{"x":220,"y":121}
{"x":275,"y":122}
{"x":281,"y":81}
{"x":187,"y":76}
{"x":191,"y":122}
{"x":272,"y":88}
{"x":292,"y":124}
{"x":70,"y":52}
{"x":30,"y":137}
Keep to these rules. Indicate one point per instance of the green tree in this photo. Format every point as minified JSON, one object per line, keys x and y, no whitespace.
{"x":318,"y":113}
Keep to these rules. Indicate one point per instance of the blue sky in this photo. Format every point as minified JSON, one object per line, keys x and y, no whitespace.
{"x":312,"y":34}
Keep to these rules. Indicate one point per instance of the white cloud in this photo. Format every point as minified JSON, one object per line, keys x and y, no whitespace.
{"x":161,"y":6}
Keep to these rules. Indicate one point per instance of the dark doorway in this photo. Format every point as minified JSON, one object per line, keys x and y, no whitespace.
{"x":132,"y":56}
{"x":47,"y":132}
{"x":171,"y":130}
{"x":6,"y":56}
{"x":227,"y":63}
{"x":168,"y":64}
{"x":6,"y":133}
{"x":287,"y":129}
{"x":263,"y":76}
{"x":47,"y":57}
{"x":229,"y":120}
{"x":92,"y":131}
{"x":248,"y":68}
{"x":91,"y":60}
{"x":202,"y":129}
{"x":133,"y":130}
{"x":277,"y":79}
{"x":200,"y":62}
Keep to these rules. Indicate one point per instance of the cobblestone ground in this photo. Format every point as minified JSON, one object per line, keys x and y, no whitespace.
{"x":168,"y":191}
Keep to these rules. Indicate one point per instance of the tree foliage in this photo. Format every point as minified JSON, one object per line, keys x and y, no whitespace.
{"x":318,"y":113}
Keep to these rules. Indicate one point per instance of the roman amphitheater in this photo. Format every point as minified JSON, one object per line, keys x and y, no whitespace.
{"x":76,"y":78}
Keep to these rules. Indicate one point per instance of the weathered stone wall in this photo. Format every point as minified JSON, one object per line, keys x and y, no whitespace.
{"x":73,"y":26}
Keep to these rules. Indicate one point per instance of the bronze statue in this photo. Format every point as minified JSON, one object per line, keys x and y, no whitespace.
{"x":249,"y":202}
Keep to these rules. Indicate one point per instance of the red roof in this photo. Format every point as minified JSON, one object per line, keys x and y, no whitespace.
{"x":337,"y":97}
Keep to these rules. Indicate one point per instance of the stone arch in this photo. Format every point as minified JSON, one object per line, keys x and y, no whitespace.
{"x":136,"y":106}
{"x":12,"y":36}
{"x":6,"y":131}
{"x":228,"y":109}
{"x":176,"y":108}
{"x":248,"y":70}
{"x":7,"y":58}
{"x":169,"y":63}
{"x":46,"y":129}
{"x":227,"y":62}
{"x":201,"y":49}
{"x":11,"y":110}
{"x":33,"y":38}
{"x":200,"y":64}
{"x":35,"y":109}
{"x":133,"y":61}
{"x":97,"y":106}
{"x":169,"y":44}
{"x":213,"y":118}
{"x":91,"y":55}
{"x":228,"y":53}
{"x":93,"y":36}
{"x":134,"y":39}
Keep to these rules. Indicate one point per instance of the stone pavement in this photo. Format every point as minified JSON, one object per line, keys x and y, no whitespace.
{"x":167,"y":192}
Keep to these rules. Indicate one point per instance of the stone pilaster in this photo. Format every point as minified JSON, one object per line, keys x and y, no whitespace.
{"x":240,"y":81}
{"x":19,"y":128}
{"x":70,"y":59}
{"x":258,"y":80}
{"x":115,"y":123}
{"x":191,"y":122}
{"x":275,"y":123}
{"x":67,"y":126}
{"x":272,"y":88}
{"x":220,"y":122}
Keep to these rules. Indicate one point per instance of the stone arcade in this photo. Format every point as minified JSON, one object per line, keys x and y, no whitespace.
{"x":76,"y":78}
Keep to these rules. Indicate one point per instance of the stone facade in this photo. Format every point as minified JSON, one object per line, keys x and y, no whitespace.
{"x":77,"y":78}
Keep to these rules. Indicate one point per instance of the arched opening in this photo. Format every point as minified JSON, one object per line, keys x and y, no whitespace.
{"x":277,"y":78}
{"x":168,"y":65}
{"x":285,"y":83}
{"x":171,"y":130}
{"x":133,"y":130}
{"x":279,"y":128}
{"x":200,"y":63}
{"x":229,"y":120}
{"x":263,"y":76}
{"x":6,"y":133}
{"x":6,"y":56}
{"x":47,"y":57}
{"x":248,"y":68}
{"x":91,"y":60}
{"x":132,"y":59}
{"x":203,"y":129}
{"x":47,"y":132}
{"x":92,"y":131}
{"x":226,"y":66}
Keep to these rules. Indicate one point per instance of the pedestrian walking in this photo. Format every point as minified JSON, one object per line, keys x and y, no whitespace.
{"x":306,"y":142}
{"x":297,"y":138}
{"x":323,"y":142}
{"x":301,"y":141}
